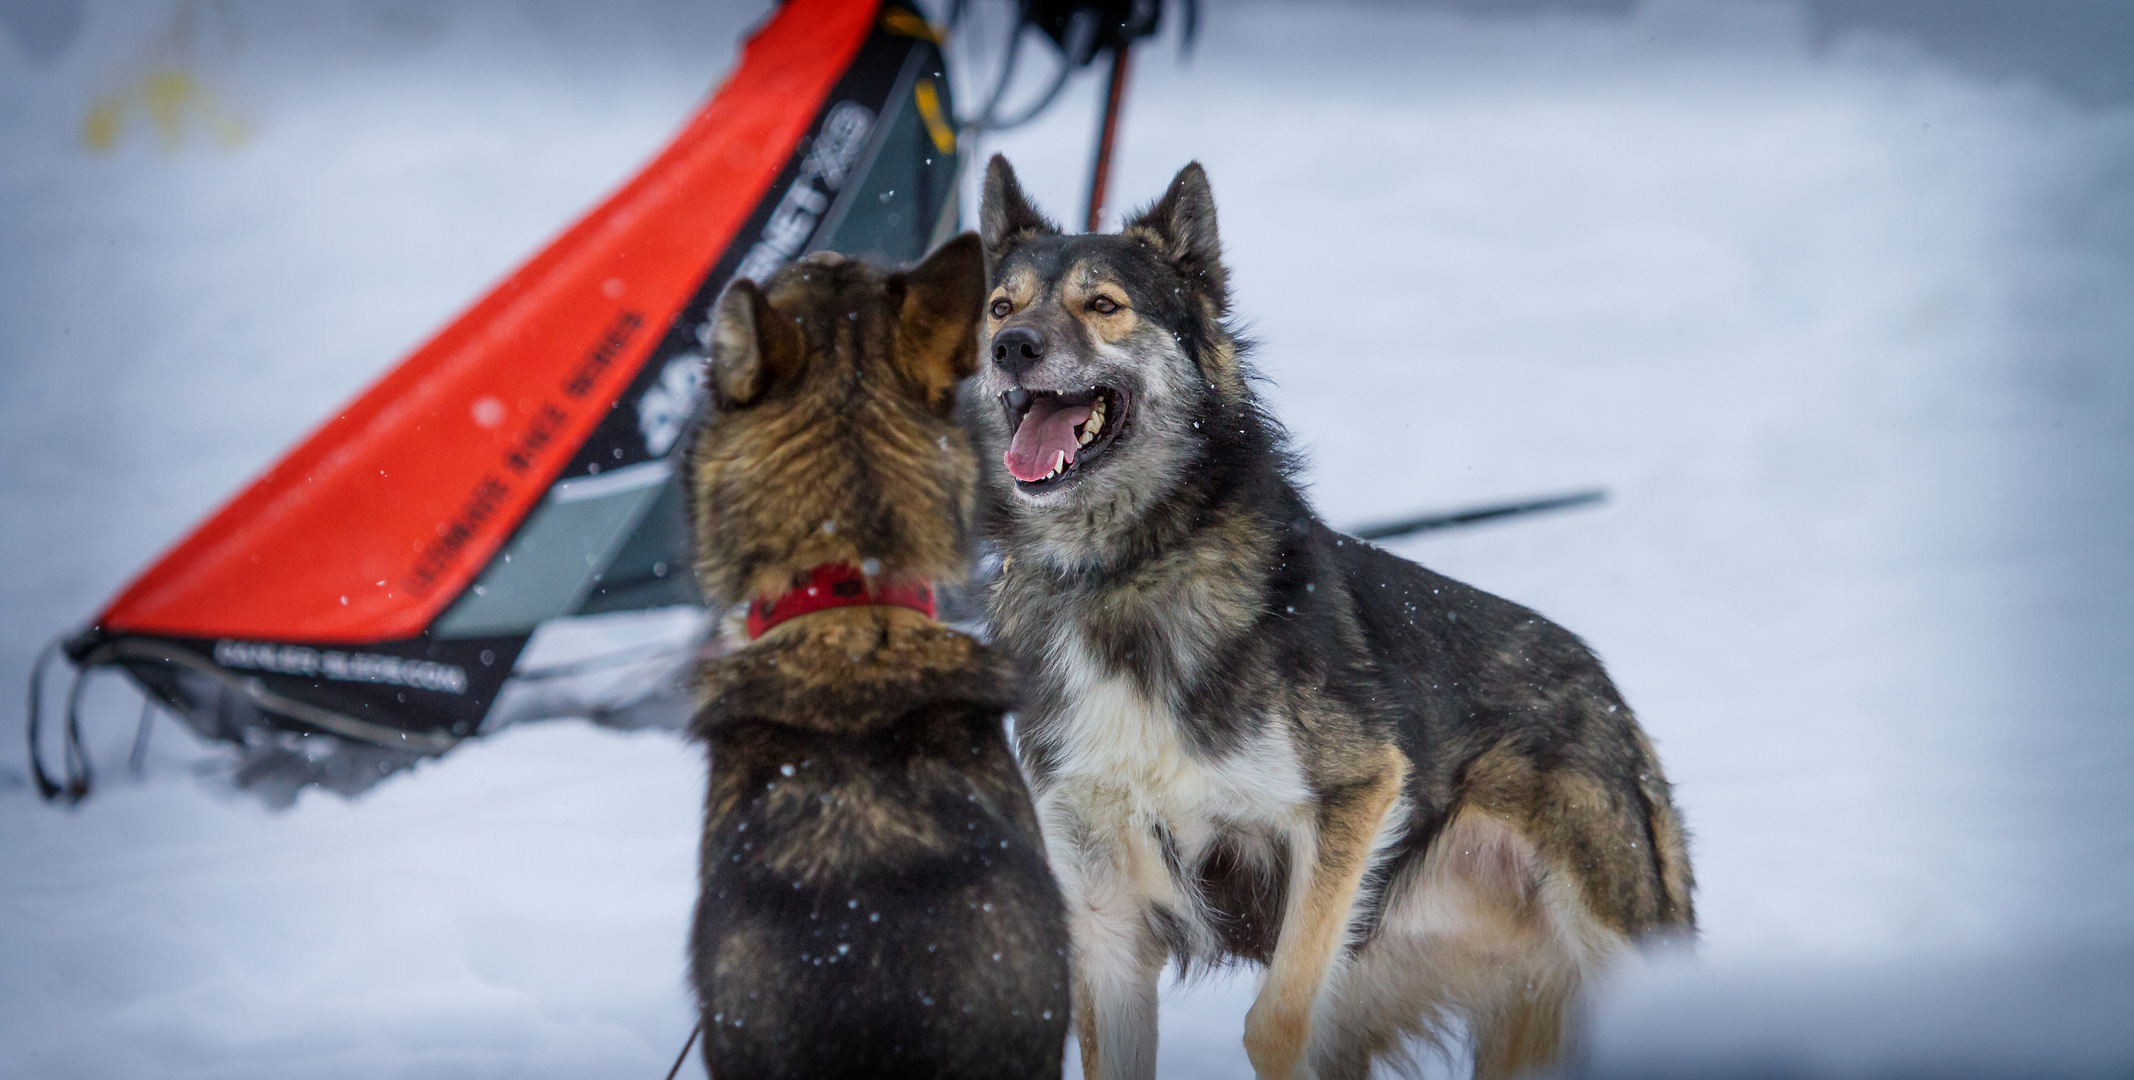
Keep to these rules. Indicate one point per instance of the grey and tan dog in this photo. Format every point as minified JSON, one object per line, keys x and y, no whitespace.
{"x":1251,"y":737}
{"x":875,"y":900}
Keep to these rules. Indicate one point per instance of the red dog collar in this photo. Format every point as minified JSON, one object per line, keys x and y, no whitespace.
{"x":834,"y":585}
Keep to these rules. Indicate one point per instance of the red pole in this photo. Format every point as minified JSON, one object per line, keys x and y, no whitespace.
{"x":1100,"y":176}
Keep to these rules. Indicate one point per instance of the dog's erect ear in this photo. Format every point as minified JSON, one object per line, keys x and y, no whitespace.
{"x":752,"y":346}
{"x":1182,"y":227}
{"x":937,"y":324}
{"x":1005,"y":214}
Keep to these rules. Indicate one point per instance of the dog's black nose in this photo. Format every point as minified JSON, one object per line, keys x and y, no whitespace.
{"x":1018,"y":349}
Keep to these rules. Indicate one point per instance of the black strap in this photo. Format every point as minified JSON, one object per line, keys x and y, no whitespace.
{"x":78,"y":779}
{"x":1430,"y":522}
{"x":684,"y":1055}
{"x":1083,"y":30}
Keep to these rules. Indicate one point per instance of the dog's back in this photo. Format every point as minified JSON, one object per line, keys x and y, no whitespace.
{"x":875,"y":898}
{"x":1472,"y":674}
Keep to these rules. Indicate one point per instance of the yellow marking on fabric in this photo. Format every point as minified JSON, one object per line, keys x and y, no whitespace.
{"x":167,"y":96}
{"x":937,"y":125}
{"x":910,"y":25}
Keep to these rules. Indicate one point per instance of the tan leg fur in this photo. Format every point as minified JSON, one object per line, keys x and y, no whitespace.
{"x":1278,"y":1027}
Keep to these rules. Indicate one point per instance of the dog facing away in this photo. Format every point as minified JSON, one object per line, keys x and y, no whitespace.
{"x":1251,"y":737}
{"x":875,"y":897}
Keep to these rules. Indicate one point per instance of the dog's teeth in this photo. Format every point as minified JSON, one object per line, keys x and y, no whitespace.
{"x":1059,"y":464}
{"x":1094,"y":424}
{"x":1088,"y":436}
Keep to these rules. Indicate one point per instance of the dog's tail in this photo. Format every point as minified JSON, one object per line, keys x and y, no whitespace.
{"x":1670,"y":845}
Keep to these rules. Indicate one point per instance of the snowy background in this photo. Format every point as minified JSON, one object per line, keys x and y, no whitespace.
{"x":1837,"y":300}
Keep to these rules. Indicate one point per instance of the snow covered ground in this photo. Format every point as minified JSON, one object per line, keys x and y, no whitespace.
{"x":1836,"y":306}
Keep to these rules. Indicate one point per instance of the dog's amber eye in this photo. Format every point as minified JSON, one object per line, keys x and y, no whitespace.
{"x":1001,"y":308}
{"x":1103,"y":305}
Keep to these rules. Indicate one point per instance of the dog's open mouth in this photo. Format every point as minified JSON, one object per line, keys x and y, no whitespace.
{"x":1053,"y":437}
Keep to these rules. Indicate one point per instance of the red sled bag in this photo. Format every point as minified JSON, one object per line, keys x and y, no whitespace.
{"x":493,"y":531}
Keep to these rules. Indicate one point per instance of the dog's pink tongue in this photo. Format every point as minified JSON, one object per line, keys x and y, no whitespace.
{"x":1047,"y":431}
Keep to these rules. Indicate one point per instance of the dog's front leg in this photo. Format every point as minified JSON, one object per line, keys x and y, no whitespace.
{"x":1321,"y":895}
{"x":1117,"y":955}
{"x":1115,"y":1006}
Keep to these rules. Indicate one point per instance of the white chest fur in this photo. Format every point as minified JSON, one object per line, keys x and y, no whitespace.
{"x":1114,"y":736}
{"x":1123,"y":773}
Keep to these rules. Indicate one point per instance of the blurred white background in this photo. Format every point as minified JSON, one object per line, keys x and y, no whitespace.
{"x":1833,"y":298}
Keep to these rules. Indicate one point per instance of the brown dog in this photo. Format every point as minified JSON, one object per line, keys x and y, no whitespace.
{"x":875,"y":898}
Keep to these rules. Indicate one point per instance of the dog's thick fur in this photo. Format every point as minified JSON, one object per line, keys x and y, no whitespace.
{"x":1252,"y":737}
{"x":875,"y":898}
